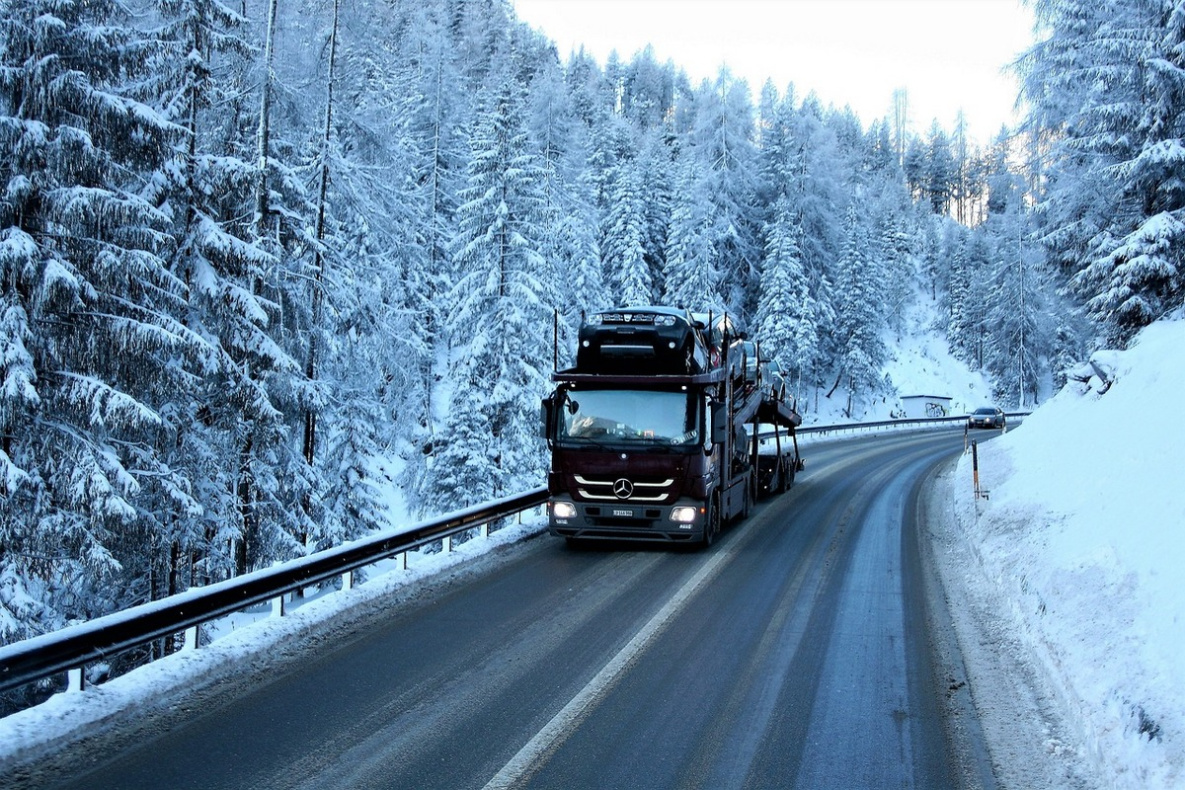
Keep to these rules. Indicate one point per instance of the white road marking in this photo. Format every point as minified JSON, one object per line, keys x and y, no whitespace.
{"x":561,"y":725}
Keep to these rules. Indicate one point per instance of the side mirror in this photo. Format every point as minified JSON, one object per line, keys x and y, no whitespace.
{"x":547,"y":418}
{"x":719,"y":423}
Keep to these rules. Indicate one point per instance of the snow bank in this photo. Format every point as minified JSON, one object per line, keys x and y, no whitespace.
{"x":1082,"y":538}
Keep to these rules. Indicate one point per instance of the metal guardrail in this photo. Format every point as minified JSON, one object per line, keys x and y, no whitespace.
{"x":72,"y":647}
{"x":903,"y":423}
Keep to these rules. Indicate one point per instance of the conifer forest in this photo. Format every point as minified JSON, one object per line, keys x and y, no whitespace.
{"x":261,"y":260}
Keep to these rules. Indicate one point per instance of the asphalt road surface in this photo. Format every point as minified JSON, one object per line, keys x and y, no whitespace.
{"x":805,"y":649}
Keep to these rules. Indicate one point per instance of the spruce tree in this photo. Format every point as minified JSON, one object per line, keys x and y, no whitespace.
{"x":502,"y":316}
{"x":92,"y":354}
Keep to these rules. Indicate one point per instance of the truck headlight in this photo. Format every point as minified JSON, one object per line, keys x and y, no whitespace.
{"x":684,"y":514}
{"x":563,"y":510}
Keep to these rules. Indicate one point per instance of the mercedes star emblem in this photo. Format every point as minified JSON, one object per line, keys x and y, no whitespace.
{"x":623,"y":488}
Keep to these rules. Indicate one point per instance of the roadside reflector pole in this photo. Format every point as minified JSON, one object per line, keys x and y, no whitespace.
{"x":192,"y":636}
{"x":975,"y":466}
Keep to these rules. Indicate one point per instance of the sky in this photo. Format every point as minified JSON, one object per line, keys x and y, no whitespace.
{"x":949,"y":55}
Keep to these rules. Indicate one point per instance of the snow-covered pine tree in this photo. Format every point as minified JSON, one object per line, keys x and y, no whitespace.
{"x":1014,"y":326}
{"x":571,"y":232}
{"x":941,"y":171}
{"x":692,"y":275}
{"x":894,"y":247}
{"x":786,"y":317}
{"x":502,"y":316}
{"x":236,"y":222}
{"x":92,"y":354}
{"x":656,"y":166}
{"x":818,"y":191}
{"x":858,"y":319}
{"x":437,"y":111}
{"x":623,"y":237}
{"x":1105,"y":87}
{"x":721,"y":141}
{"x":955,"y":279}
{"x":786,"y":312}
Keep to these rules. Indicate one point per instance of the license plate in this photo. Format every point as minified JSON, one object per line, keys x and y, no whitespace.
{"x":623,"y":512}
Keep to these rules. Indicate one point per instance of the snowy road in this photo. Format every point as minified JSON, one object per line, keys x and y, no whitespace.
{"x":797,"y":652}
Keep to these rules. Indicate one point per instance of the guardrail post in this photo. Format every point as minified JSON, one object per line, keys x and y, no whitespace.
{"x":401,"y":561}
{"x":485,"y":530}
{"x":446,"y":545}
{"x":348,"y":580}
{"x":278,"y":606}
{"x":75,"y":679}
{"x":191,"y":638}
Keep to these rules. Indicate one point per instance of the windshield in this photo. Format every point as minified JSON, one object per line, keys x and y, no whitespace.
{"x":644,"y":417}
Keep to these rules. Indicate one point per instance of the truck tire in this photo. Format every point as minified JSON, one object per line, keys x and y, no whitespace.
{"x":712,"y":523}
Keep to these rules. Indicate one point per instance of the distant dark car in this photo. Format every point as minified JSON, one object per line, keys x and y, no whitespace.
{"x":987,"y":417}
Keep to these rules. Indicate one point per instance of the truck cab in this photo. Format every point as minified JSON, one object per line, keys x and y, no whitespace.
{"x":633,"y":457}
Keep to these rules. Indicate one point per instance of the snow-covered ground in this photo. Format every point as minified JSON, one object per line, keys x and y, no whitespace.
{"x":1079,"y":545}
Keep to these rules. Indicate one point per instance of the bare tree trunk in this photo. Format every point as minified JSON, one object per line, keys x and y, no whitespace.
{"x":835,"y":386}
{"x":265,"y":109}
{"x":310,"y":416}
{"x":243,"y":549}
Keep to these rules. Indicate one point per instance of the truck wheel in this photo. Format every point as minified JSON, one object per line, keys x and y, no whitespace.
{"x":712,"y":523}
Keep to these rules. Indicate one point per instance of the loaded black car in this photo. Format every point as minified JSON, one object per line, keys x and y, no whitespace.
{"x":645,"y":340}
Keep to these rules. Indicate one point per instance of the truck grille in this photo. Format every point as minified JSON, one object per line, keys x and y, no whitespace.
{"x":611,"y":490}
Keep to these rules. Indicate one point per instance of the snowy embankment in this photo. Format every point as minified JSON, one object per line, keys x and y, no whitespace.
{"x":1080,"y":541}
